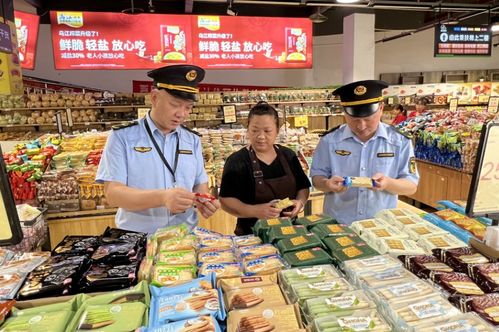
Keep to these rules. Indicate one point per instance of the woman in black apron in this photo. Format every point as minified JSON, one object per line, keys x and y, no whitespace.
{"x":262,"y":172}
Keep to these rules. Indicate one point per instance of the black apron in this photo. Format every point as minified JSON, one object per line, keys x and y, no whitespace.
{"x":269,"y":189}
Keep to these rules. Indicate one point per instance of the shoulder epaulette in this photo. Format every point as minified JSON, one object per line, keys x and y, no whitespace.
{"x":125,"y":125}
{"x":192,"y":131}
{"x":403,"y":133}
{"x":329,"y":131}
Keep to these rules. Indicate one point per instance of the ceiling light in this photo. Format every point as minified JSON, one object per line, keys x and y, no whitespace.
{"x":347,"y":1}
{"x":318,"y":17}
{"x":494,"y":24}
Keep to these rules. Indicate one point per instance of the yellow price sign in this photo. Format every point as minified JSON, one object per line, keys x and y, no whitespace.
{"x":142,"y":111}
{"x":453,"y":104}
{"x":301,"y":121}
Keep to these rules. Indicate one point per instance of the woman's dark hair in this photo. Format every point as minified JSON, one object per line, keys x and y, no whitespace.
{"x":401,"y":108}
{"x":263,"y":108}
{"x":423,"y":101}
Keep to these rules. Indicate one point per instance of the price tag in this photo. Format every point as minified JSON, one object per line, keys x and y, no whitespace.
{"x":493,"y":106}
{"x":229,"y":114}
{"x":407,"y":100}
{"x":390,"y":101}
{"x":453,"y":104}
{"x":483,"y":99}
{"x":142,"y":111}
{"x":69,"y":117}
{"x":301,"y":121}
{"x":58,"y":117}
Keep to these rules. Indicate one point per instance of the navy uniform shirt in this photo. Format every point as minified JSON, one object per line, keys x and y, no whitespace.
{"x":131,"y":159}
{"x":341,"y":153}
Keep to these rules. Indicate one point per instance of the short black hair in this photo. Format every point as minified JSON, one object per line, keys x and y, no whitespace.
{"x":263,"y":108}
{"x":401,"y":108}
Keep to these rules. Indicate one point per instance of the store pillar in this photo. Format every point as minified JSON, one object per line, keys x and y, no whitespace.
{"x":358,"y":47}
{"x":11,"y":81}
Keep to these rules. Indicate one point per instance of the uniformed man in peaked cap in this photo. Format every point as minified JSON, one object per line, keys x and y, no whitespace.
{"x":363,"y":147}
{"x":152,"y":168}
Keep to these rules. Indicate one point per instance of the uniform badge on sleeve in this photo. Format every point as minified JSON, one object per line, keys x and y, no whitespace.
{"x":343,"y":152}
{"x":142,"y":149}
{"x":412,"y":165}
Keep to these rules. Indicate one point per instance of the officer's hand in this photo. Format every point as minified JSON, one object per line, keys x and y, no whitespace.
{"x":297,"y":207}
{"x":266,"y":211}
{"x":207,"y":209}
{"x":381,"y":182}
{"x":178,"y":200}
{"x":335,"y":184}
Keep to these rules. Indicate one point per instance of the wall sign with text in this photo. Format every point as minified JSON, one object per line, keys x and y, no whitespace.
{"x":27,"y":35}
{"x":85,"y":40}
{"x":457,"y":40}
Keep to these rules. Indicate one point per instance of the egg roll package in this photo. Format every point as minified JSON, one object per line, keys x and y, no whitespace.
{"x":300,"y":242}
{"x":424,"y":266}
{"x":423,"y":229}
{"x":188,"y":242}
{"x":264,"y":265}
{"x":226,"y":256}
{"x":341,"y":241}
{"x":360,"y":226}
{"x":460,"y":323}
{"x":403,"y":222}
{"x":339,"y":305}
{"x":117,"y":253}
{"x":5,"y":309}
{"x":315,"y":219}
{"x":181,"y":257}
{"x":201,"y":232}
{"x":112,"y":317}
{"x":307,"y":257}
{"x":137,"y":293}
{"x":244,"y":298}
{"x":170,"y":232}
{"x":77,"y":245}
{"x":54,"y":321}
{"x":359,"y":250}
{"x":231,"y":284}
{"x":454,"y":283}
{"x":486,"y":276}
{"x":359,"y":320}
{"x":246,"y":240}
{"x":199,"y":284}
{"x":403,"y":291}
{"x":461,"y":259}
{"x":254,"y":252}
{"x":120,"y":235}
{"x":196,"y":324}
{"x":169,"y":275}
{"x":411,"y":314}
{"x":222,"y":270}
{"x":396,"y":247}
{"x":323,"y":231}
{"x":385,"y":277}
{"x":486,"y":306}
{"x":10,"y":284}
{"x":356,"y":267}
{"x":218,"y":243}
{"x":445,"y":241}
{"x":276,"y":318}
{"x":276,"y":233}
{"x":308,"y":290}
{"x":262,"y":225}
{"x":167,"y":307}
{"x":358,"y":182}
{"x":57,"y":276}
{"x":386,"y":232}
{"x":311,"y":274}
{"x":392,"y":214}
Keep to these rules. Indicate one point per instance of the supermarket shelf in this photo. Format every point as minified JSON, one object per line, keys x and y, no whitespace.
{"x":216,"y":119}
{"x":106,"y":123}
{"x":315,"y":115}
{"x":288,"y":102}
{"x":28,"y":125}
{"x":58,"y":215}
{"x":71,"y":107}
{"x":444,"y":166}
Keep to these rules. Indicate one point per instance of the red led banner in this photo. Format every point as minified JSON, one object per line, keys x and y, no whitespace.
{"x":84,"y":40}
{"x":27,"y":35}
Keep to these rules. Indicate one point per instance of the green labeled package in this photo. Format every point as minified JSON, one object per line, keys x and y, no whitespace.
{"x":308,"y":257}
{"x":299,"y":242}
{"x":341,"y":241}
{"x":323,"y":231}
{"x":112,"y":317}
{"x":276,"y":233}
{"x":315,"y":219}
{"x":262,"y":225}
{"x":54,"y":321}
{"x":359,"y":250}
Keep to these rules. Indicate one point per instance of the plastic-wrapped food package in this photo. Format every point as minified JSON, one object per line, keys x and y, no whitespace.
{"x":403,"y":222}
{"x":76,"y":245}
{"x":411,"y":314}
{"x":55,"y":321}
{"x":423,"y":229}
{"x":362,"y":225}
{"x":341,"y":241}
{"x":264,"y":265}
{"x":262,"y":225}
{"x":226,"y":256}
{"x":359,"y":250}
{"x":390,"y":232}
{"x":341,"y":304}
{"x":300,"y":242}
{"x":402,"y":292}
{"x":393,"y":214}
{"x":103,"y":277}
{"x":10,"y":284}
{"x":397,"y":247}
{"x":323,"y":231}
{"x":445,"y":241}
{"x":315,"y":219}
{"x":251,"y":297}
{"x":222,"y":270}
{"x":454,"y":283}
{"x":464,"y":322}
{"x":361,"y":320}
{"x":356,"y":267}
{"x":246,"y":240}
{"x":216,"y":243}
{"x":307,"y":257}
{"x":254,"y":252}
{"x":487,"y":306}
{"x":461,"y":259}
{"x":486,"y":276}
{"x":202,"y":323}
{"x":179,"y":243}
{"x":276,"y":233}
{"x":308,"y":290}
{"x":112,"y":317}
{"x":311,"y":274}
{"x":385,"y":277}
{"x":169,"y":275}
{"x":424,"y":266}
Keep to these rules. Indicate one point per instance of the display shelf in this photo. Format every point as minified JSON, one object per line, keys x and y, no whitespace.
{"x":285,"y":102}
{"x":28,"y":125}
{"x":444,"y":166}
{"x":72,"y":107}
{"x":106,"y":123}
{"x":72,"y":214}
